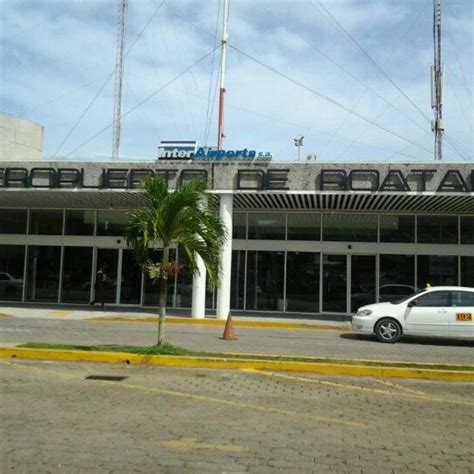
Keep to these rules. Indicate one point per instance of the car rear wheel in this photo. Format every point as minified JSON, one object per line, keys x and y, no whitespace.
{"x":388,"y":330}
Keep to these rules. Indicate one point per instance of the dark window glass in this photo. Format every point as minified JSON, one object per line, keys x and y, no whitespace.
{"x":302,"y":282}
{"x":397,"y":228}
{"x":77,"y":267}
{"x":46,"y":222}
{"x":184,"y":286}
{"x":397,"y":277}
{"x":335,"y":283}
{"x":467,"y":229}
{"x":111,"y":222}
{"x":13,"y":221}
{"x":42,"y":283}
{"x":105,"y":284}
{"x":239,"y":228}
{"x":304,"y":226}
{"x":265,"y":280}
{"x":362,"y":281}
{"x":467,"y":271}
{"x":437,"y":270}
{"x":152,"y":288}
{"x":350,"y":227}
{"x":130,"y":289}
{"x":433,"y":299}
{"x":462,"y":298}
{"x":80,"y":223}
{"x":437,"y":229}
{"x":237,"y":285}
{"x":266,"y":226}
{"x":12,"y":260}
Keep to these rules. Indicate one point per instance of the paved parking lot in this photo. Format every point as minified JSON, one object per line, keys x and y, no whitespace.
{"x":171,"y":420}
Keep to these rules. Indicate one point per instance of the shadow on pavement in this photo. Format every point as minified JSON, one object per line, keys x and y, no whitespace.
{"x":419,"y":340}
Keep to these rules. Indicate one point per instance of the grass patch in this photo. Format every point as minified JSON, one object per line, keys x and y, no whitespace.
{"x":169,"y":349}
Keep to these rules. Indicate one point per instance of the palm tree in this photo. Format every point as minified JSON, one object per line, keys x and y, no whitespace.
{"x":175,"y":218}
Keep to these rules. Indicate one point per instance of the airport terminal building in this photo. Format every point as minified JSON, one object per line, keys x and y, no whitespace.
{"x":307,"y":237}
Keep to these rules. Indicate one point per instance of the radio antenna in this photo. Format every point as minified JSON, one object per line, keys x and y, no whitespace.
{"x":224,"y":41}
{"x":437,"y":83}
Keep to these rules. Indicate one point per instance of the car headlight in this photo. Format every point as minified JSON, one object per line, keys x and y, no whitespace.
{"x":364,"y":312}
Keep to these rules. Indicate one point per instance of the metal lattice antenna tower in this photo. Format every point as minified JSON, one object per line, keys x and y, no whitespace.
{"x":437,"y":83}
{"x":118,"y":80}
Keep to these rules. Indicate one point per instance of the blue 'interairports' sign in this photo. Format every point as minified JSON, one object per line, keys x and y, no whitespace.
{"x":209,"y":154}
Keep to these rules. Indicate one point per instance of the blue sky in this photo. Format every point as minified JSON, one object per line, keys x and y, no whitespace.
{"x":56,"y":55}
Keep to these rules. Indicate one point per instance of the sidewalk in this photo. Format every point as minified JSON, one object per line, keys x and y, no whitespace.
{"x":178,"y":316}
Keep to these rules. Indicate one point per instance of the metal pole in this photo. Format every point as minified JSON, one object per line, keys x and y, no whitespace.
{"x":225,"y":36}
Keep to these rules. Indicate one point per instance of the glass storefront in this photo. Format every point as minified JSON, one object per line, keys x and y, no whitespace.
{"x":278,"y":276}
{"x":12,"y":262}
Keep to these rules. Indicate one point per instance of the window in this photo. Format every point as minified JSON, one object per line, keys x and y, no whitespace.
{"x":12,"y":259}
{"x":265,"y":280}
{"x":433,"y":299}
{"x":266,"y":226}
{"x":350,"y":227}
{"x":239,"y":228}
{"x":80,"y":223}
{"x":467,"y":271}
{"x":46,"y":222}
{"x":237,"y":283}
{"x":302,"y":282}
{"x":77,"y":266}
{"x":111,"y":222}
{"x":437,"y":270}
{"x":13,"y":221}
{"x":397,"y":228}
{"x":462,"y":298}
{"x":42,"y":282}
{"x":437,"y":229}
{"x":397,"y":277}
{"x":304,"y":226}
{"x":467,"y":229}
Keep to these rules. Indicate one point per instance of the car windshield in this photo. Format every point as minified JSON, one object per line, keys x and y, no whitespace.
{"x":402,"y":300}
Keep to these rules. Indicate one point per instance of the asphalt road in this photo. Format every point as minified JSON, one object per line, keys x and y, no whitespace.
{"x":317,"y":343}
{"x":171,"y":420}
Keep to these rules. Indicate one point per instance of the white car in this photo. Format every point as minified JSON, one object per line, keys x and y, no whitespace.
{"x":445,"y":311}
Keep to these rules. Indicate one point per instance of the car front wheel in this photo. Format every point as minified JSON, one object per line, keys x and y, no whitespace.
{"x":388,"y":330}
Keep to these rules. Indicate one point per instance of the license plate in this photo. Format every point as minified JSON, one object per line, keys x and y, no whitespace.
{"x":463,"y":317}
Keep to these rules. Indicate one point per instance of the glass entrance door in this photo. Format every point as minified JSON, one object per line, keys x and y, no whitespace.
{"x":107,"y":261}
{"x":131,"y":283}
{"x":335,"y":283}
{"x":363,"y":279}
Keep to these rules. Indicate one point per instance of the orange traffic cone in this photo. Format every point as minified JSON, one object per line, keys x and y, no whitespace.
{"x":229,"y":329}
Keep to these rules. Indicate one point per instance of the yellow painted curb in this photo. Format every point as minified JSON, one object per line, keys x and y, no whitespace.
{"x":5,"y":315}
{"x":232,"y":363}
{"x":221,"y":322}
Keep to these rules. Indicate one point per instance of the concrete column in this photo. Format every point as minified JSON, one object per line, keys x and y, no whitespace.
{"x":199,"y":291}
{"x":223,"y":292}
